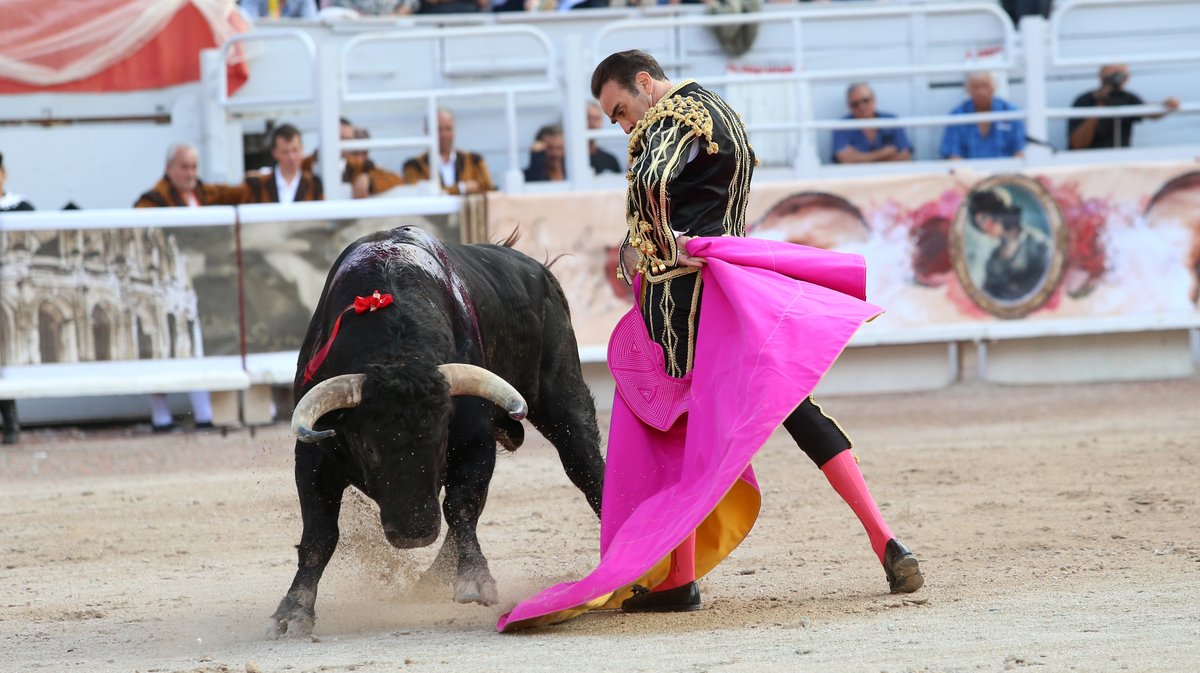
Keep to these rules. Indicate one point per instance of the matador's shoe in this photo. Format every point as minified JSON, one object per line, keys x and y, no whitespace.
{"x":683,"y":598}
{"x":903,"y":572}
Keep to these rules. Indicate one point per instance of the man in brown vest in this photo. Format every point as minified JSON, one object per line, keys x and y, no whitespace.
{"x":180,"y":187}
{"x":457,"y":171}
{"x":288,"y":182}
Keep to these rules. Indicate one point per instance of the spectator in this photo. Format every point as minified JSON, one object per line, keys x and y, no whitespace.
{"x":985,"y":140}
{"x":602,"y":162}
{"x":376,"y":7}
{"x":860,"y":146}
{"x":288,"y":181}
{"x":546,"y":156}
{"x":452,"y":6}
{"x":180,"y":188}
{"x":1095,"y":133}
{"x":8,"y":408}
{"x":363,"y":176}
{"x":459,"y":172}
{"x":280,"y":9}
{"x":8,"y":200}
{"x":1018,"y":8}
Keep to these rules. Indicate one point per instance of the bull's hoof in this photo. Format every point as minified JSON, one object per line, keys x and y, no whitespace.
{"x":298,"y":626}
{"x":293,"y":618}
{"x":478,"y":589}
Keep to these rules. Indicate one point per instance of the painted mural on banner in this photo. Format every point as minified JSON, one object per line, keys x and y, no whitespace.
{"x":149,"y":293}
{"x":97,"y":294}
{"x":941,"y":249}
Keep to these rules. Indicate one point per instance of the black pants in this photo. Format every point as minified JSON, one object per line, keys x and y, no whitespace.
{"x":8,"y":411}
{"x":671,"y":312}
{"x":816,"y":434}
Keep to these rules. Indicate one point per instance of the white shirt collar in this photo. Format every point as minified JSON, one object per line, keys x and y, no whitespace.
{"x":8,"y":200}
{"x":448,"y":169}
{"x":286,"y":190}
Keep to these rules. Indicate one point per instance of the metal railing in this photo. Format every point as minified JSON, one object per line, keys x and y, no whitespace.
{"x":801,"y":75}
{"x":545,"y":80}
{"x":274,"y":35}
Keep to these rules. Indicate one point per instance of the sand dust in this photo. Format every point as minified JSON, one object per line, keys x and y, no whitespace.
{"x":1056,"y":526}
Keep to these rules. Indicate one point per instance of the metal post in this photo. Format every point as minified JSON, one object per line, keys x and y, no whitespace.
{"x":514,"y":177}
{"x":579,"y":166}
{"x":327,"y":91}
{"x":1033,"y":33}
{"x":213,"y":143}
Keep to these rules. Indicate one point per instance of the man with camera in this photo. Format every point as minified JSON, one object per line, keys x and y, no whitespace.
{"x":1100,"y":133}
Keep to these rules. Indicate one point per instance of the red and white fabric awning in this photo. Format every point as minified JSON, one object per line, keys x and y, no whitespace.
{"x":111,"y":45}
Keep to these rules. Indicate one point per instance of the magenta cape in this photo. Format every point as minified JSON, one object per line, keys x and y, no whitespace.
{"x":774,"y":317}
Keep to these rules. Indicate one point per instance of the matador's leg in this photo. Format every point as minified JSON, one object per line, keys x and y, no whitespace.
{"x":827,"y":445}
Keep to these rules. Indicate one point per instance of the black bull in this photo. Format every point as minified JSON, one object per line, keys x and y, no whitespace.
{"x":392,"y":428}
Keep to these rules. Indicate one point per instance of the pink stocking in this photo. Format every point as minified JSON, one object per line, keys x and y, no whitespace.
{"x":843,"y":474}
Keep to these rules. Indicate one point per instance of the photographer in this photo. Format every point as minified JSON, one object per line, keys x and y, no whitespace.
{"x":1099,"y":133}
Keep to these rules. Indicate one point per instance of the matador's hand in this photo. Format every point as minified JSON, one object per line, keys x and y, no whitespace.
{"x":685,"y":259}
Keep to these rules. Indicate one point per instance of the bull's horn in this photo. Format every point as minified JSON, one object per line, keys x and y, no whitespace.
{"x":471,"y":380}
{"x":339,"y":392}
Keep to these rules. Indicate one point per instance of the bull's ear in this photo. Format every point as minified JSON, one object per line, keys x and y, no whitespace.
{"x":467,"y":379}
{"x":339,"y":392}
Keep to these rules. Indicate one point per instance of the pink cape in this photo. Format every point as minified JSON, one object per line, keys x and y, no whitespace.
{"x":774,"y":317}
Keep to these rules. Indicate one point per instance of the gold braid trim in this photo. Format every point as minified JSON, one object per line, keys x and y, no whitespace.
{"x":687,"y":111}
{"x":696,"y":121}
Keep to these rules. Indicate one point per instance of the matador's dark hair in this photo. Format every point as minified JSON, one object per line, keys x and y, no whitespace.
{"x":622,"y":68}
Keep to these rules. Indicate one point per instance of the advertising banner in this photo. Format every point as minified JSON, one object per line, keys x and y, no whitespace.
{"x":942,"y":249}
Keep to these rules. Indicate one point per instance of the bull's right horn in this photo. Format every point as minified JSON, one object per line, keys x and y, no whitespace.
{"x":339,"y":392}
{"x":467,"y":379}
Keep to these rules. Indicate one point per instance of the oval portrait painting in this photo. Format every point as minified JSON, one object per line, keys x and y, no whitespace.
{"x":1008,"y":244}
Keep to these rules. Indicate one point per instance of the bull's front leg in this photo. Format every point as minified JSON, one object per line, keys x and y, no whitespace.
{"x":470,"y":463}
{"x":320,"y":488}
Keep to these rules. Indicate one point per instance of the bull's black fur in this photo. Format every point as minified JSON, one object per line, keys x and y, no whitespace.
{"x":408,"y":439}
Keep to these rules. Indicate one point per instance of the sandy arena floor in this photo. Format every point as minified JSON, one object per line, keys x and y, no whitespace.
{"x":1056,"y":526}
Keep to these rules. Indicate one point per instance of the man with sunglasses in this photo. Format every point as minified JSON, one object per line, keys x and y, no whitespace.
{"x":860,"y":146}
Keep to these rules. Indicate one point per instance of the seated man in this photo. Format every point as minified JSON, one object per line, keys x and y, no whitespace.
{"x":365,"y":178}
{"x":602,"y":162}
{"x":179,"y":186}
{"x":546,"y":156}
{"x":859,"y":146}
{"x":287,"y":182}
{"x":1093,"y":133}
{"x":358,"y":171}
{"x":459,"y":172}
{"x":985,"y":140}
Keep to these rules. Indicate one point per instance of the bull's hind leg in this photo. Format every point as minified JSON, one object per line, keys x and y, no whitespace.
{"x":565,"y":414}
{"x":320,"y":491}
{"x":470,"y":461}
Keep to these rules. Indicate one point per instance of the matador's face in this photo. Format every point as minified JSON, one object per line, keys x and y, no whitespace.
{"x":627,"y":107}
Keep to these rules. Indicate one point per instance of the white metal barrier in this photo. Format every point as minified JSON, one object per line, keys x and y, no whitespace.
{"x":801,"y":74}
{"x":1057,"y":62}
{"x":543,"y":66}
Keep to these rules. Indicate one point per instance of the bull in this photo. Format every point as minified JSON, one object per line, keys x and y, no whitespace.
{"x":453,"y":346}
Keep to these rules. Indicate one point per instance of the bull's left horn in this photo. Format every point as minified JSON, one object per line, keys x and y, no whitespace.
{"x":467,"y":379}
{"x":339,"y":392}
